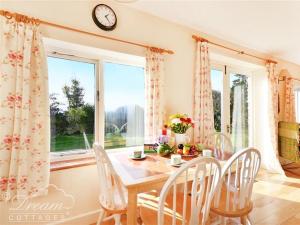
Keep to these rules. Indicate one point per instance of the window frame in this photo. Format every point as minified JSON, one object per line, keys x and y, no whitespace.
{"x":63,"y":160}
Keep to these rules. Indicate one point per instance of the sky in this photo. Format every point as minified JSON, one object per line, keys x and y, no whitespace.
{"x":216,"y":80}
{"x":123,"y":84}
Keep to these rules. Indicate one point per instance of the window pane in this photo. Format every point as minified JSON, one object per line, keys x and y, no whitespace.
{"x":124,"y":105}
{"x":72,"y":104}
{"x":239,"y":111}
{"x":216,"y":82}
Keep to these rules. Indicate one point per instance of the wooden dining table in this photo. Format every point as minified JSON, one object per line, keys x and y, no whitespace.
{"x":140,"y":176}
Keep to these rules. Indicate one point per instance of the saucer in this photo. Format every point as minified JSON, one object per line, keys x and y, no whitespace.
{"x":176,"y":165}
{"x":143,"y":156}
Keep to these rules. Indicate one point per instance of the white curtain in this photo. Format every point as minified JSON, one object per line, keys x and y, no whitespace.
{"x":203,"y":101}
{"x":135,"y":126}
{"x":24,"y":110}
{"x":239,"y":118}
{"x":154,"y":79}
{"x":270,"y":156}
{"x":289,"y":106}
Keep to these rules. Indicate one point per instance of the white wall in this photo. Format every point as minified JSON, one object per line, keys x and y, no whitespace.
{"x":133,"y":26}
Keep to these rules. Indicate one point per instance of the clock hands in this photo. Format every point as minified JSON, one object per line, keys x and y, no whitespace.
{"x":107,"y":18}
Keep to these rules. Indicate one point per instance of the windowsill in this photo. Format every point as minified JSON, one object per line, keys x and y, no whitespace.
{"x":69,"y":161}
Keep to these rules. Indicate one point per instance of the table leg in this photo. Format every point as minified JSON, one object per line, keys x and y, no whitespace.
{"x":132,"y":207}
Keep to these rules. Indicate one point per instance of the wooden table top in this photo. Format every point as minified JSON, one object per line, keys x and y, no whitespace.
{"x":152,"y":169}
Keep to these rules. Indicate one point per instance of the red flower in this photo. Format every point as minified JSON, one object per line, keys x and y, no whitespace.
{"x":8,"y":139}
{"x":11,"y":98}
{"x":189,"y":120}
{"x":3,"y":181}
{"x":17,"y":138}
{"x":12,"y":180}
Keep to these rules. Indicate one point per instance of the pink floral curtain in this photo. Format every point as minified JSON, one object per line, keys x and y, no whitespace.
{"x":203,"y":101}
{"x":270,"y":154}
{"x":24,"y":111}
{"x":289,"y":107}
{"x":154,"y":95}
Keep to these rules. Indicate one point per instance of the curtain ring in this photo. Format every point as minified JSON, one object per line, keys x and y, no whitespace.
{"x":8,"y":15}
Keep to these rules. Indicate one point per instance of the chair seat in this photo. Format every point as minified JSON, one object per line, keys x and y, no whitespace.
{"x":238,"y":212}
{"x":119,"y":207}
{"x":149,"y":209}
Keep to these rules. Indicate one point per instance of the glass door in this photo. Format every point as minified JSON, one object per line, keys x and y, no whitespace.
{"x":230,"y":89}
{"x":239,"y":110}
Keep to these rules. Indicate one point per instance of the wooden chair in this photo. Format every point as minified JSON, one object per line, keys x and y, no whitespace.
{"x":233,"y":198}
{"x":113,"y":195}
{"x":222,"y":146}
{"x":175,"y":205}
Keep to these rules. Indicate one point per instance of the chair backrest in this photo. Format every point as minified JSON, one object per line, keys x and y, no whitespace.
{"x":238,"y":175}
{"x":112,"y":193}
{"x":222,"y":145}
{"x":203,"y":174}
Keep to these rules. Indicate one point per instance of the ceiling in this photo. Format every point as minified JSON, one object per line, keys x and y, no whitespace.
{"x":270,"y":27}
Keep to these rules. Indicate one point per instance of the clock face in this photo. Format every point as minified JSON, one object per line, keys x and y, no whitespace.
{"x":104,"y":17}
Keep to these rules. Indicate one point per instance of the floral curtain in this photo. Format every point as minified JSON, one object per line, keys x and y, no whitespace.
{"x":24,"y":110}
{"x":270,"y":154}
{"x":289,"y":109}
{"x":203,"y":101}
{"x":154,"y":95}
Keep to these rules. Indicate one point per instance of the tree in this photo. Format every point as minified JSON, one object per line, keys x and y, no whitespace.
{"x":217,"y":109}
{"x":54,"y":104}
{"x":74,"y":94}
{"x":58,"y":118}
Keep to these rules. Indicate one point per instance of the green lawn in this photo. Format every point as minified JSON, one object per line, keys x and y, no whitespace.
{"x":76,"y":141}
{"x":70,"y":142}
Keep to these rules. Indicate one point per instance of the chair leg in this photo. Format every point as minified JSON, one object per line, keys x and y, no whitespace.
{"x":139,"y":218}
{"x":244,"y":220}
{"x":249,"y":220}
{"x":117,"y":219}
{"x":101,"y":217}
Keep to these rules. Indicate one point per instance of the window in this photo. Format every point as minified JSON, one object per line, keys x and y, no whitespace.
{"x":72,"y":103}
{"x":124,"y":105}
{"x":80,"y":115}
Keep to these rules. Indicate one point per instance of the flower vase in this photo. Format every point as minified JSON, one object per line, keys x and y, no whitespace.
{"x":182,"y":139}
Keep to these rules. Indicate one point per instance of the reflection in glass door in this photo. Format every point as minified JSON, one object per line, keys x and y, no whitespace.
{"x":239,"y":111}
{"x":217,"y":89}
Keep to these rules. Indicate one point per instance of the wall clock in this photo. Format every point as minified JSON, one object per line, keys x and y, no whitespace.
{"x":104,"y":17}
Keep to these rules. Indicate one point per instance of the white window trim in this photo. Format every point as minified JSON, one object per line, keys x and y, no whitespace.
{"x":66,"y":53}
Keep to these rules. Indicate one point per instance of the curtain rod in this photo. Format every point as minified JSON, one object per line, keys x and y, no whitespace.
{"x":27,"y":19}
{"x":198,"y":38}
{"x":283,"y":78}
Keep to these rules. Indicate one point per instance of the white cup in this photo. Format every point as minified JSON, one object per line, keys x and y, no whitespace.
{"x":207,"y":153}
{"x":175,"y":159}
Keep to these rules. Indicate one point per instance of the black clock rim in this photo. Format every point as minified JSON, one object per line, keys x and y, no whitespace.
{"x":101,"y":26}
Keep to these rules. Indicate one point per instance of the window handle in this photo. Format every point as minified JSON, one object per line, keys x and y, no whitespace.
{"x":228,"y":129}
{"x":98,"y":96}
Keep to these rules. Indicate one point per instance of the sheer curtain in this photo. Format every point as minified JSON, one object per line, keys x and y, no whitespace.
{"x":24,"y":110}
{"x":203,"y":101}
{"x":239,"y":118}
{"x":270,"y":156}
{"x":154,"y":79}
